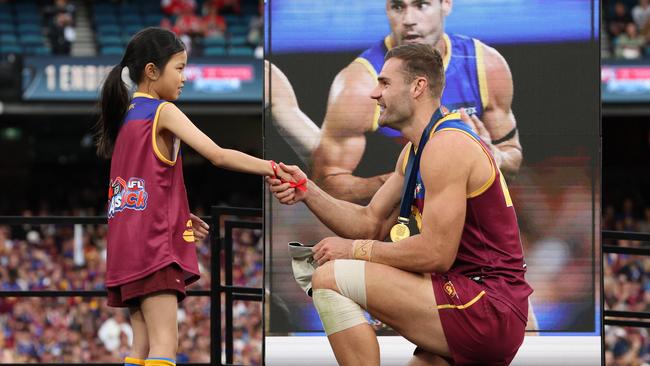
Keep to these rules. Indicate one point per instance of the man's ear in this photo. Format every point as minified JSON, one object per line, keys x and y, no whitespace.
{"x":420,"y":85}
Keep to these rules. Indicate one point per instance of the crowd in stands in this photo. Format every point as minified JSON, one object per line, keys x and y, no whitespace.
{"x":626,"y":284}
{"x":76,"y":329}
{"x":37,"y":27}
{"x":625,"y":32}
{"x":207,"y":27}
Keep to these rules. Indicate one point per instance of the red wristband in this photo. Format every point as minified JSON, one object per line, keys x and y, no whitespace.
{"x":274,"y":166}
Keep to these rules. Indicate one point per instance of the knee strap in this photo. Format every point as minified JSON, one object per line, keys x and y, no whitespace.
{"x":350,"y":275}
{"x":336,"y":311}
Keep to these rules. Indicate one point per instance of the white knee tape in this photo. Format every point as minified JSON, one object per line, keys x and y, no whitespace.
{"x":336,"y":311}
{"x":350,"y":275}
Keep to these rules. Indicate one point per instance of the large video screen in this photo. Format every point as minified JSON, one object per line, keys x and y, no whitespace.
{"x":551,"y":49}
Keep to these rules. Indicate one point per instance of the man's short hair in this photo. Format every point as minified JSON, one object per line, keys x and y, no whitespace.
{"x":421,"y":60}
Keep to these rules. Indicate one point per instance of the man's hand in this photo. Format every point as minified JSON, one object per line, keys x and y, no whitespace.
{"x":332,"y":248}
{"x":200,"y":227}
{"x":477,"y":126}
{"x":284,"y":191}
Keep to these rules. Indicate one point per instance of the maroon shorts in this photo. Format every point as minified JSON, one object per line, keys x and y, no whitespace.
{"x":480,"y":330}
{"x":129,"y":294}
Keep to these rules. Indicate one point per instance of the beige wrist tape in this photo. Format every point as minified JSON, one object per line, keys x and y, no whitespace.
{"x":362,"y":249}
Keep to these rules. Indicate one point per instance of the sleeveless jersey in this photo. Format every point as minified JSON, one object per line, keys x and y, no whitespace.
{"x":490,"y":245}
{"x":149,"y":224}
{"x":465,"y":85}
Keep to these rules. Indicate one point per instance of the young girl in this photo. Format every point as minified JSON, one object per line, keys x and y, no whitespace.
{"x":151,"y":233}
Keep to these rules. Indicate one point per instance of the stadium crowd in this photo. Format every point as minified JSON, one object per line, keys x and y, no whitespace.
{"x":76,"y":329}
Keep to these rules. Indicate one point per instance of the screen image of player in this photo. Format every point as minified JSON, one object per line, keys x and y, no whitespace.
{"x":550,"y":116}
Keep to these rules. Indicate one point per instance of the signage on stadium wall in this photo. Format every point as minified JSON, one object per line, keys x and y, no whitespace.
{"x":625,"y":82}
{"x":80,"y":79}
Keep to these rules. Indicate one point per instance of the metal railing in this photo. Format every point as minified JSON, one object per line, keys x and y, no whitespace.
{"x":218,"y":244}
{"x":619,"y":317}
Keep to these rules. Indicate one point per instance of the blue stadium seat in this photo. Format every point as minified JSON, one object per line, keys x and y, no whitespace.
{"x":238,"y":41}
{"x":105,"y":19}
{"x":133,"y":28}
{"x":153,"y":19}
{"x":31,"y":40}
{"x":214,"y":51}
{"x":38,"y":51}
{"x":240,"y":51}
{"x":6,"y":27}
{"x":128,"y":8}
{"x":6,"y":17}
{"x":214,"y":41}
{"x":29,"y":28}
{"x":127,"y":19}
{"x":10,"y":48}
{"x":8,"y":39}
{"x":104,"y":8}
{"x":109,"y":29}
{"x":150,"y":7}
{"x":23,"y":18}
{"x":109,"y":40}
{"x":111,"y":50}
{"x":238,"y":30}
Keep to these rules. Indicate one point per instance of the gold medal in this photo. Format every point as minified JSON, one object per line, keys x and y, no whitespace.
{"x":400,"y":231}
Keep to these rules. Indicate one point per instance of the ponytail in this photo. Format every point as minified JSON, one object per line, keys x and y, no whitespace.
{"x":113,"y":104}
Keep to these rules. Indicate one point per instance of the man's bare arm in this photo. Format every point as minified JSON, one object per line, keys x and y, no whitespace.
{"x":445,"y":175}
{"x":300,"y":132}
{"x":350,"y":114}
{"x":498,"y":117}
{"x":350,"y":220}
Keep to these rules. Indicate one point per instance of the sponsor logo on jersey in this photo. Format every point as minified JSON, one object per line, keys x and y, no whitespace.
{"x":469,"y":108}
{"x":124,"y":195}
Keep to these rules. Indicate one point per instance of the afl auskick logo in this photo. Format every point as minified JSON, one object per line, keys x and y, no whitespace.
{"x":124,"y":195}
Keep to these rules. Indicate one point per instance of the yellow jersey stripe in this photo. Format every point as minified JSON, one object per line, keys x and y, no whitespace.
{"x":490,"y":181}
{"x":447,"y":57}
{"x":480,"y":72}
{"x":464,"y":306}
{"x":145,"y":95}
{"x":134,"y":361}
{"x":388,"y":42}
{"x":433,"y":131}
{"x":366,"y":64}
{"x":159,"y":155}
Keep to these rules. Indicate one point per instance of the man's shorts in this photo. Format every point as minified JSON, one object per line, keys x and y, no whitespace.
{"x":168,"y":278}
{"x":480,"y":329}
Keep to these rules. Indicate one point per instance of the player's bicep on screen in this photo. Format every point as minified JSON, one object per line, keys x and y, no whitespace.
{"x":174,"y":120}
{"x":499,"y":119}
{"x":350,"y":112}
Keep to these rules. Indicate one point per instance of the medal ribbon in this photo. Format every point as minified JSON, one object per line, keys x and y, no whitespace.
{"x":412,"y":169}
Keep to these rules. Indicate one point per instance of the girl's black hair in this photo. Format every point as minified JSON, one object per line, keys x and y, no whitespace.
{"x":155,"y":45}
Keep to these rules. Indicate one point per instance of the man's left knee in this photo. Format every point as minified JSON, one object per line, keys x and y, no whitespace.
{"x":323,"y":277}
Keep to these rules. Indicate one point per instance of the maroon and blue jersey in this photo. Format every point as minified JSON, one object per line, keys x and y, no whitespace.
{"x":490,"y":249}
{"x":149,"y":224}
{"x":465,"y":84}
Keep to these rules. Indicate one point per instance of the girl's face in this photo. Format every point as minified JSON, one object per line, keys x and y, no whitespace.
{"x":171,"y":81}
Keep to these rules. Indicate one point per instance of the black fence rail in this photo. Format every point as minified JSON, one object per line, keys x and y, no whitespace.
{"x":620,"y":317}
{"x":218,"y":244}
{"x":231,"y":292}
